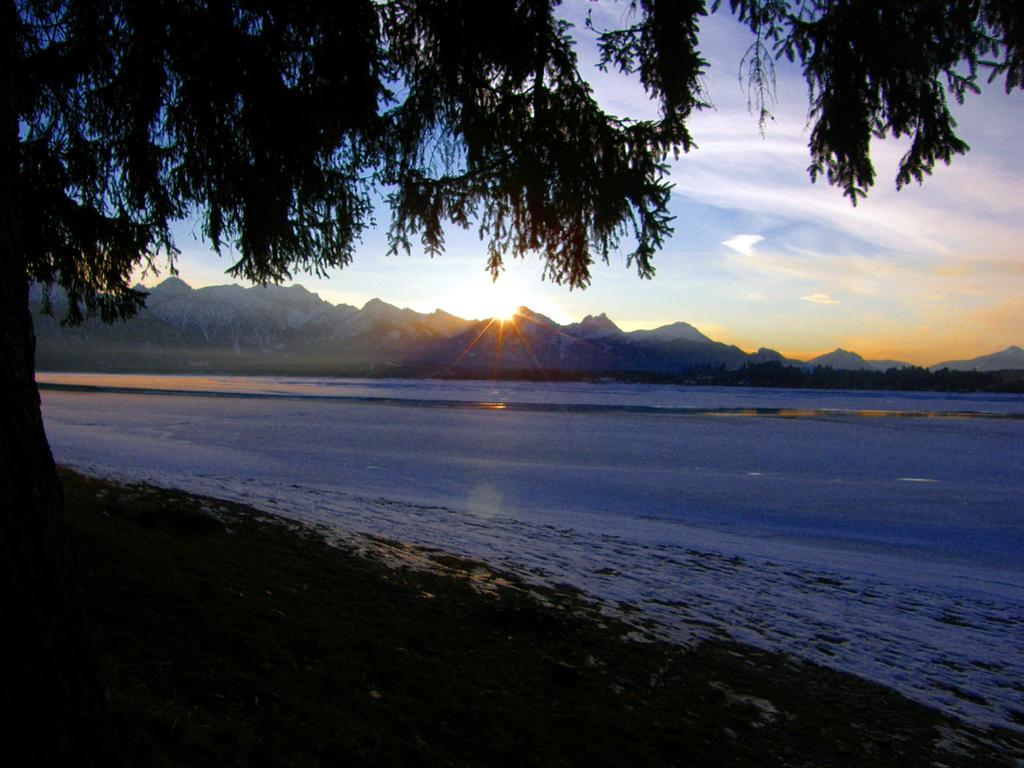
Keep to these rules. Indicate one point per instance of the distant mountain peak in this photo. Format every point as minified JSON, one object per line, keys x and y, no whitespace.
{"x":535,"y":316}
{"x":766,"y":355}
{"x":678,"y":331}
{"x":840,"y":358}
{"x":232,"y":327}
{"x":172,"y":284}
{"x":294,"y":288}
{"x":1011,"y":358}
{"x":378,"y":308}
{"x":844,"y":359}
{"x":841,"y":351}
{"x":602,"y":320}
{"x":594,"y":326}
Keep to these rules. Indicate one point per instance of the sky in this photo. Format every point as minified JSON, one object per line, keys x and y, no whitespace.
{"x":761,"y":257}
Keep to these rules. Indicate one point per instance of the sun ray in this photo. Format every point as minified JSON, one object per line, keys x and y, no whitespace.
{"x":559,"y":332}
{"x":472,"y":344}
{"x":526,"y":344}
{"x":498,"y":347}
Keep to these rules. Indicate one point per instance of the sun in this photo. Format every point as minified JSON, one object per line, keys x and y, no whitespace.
{"x":480,"y":298}
{"x":500,"y":301}
{"x":505,"y":314}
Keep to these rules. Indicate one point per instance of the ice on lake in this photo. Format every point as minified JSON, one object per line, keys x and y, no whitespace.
{"x":878,"y":533}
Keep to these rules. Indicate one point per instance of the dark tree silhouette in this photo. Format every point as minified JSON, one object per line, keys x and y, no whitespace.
{"x":277,"y":121}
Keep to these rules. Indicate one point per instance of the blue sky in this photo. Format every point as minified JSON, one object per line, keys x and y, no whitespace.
{"x":760,"y":256}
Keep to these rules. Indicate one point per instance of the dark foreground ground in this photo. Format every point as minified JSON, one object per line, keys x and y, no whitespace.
{"x":229,"y":637}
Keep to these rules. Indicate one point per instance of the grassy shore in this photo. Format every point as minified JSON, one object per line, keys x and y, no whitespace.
{"x":230,"y":637}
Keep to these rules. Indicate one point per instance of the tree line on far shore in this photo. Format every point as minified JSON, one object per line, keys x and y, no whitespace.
{"x":776,"y":374}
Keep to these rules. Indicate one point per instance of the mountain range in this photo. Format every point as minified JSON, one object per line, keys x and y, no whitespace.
{"x":274,"y":329}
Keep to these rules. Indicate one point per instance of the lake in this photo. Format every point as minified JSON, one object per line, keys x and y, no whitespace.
{"x":879,"y":533}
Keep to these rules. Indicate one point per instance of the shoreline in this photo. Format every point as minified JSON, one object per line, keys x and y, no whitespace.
{"x":415,"y":665}
{"x":526,"y":392}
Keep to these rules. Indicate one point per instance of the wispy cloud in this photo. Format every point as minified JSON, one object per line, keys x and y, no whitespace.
{"x":974,"y":207}
{"x":931,"y":220}
{"x":820,"y":298}
{"x":743,"y":243}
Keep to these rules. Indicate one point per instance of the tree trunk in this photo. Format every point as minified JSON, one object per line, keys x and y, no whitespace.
{"x":55,"y":711}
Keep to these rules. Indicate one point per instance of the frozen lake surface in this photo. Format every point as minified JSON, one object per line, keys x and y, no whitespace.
{"x":878,"y":533}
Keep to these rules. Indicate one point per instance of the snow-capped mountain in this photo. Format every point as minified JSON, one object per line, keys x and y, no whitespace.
{"x":594,"y":327}
{"x":531,"y":341}
{"x":228,"y":328}
{"x":674,"y":332}
{"x":274,"y":329}
{"x":258,"y":318}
